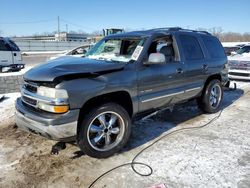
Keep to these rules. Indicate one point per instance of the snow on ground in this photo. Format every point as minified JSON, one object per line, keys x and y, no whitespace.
{"x":217,"y":155}
{"x":7,"y":106}
{"x":232,"y":44}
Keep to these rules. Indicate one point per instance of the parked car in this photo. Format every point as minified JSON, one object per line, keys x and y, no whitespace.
{"x":125,"y":76}
{"x":10,"y":56}
{"x":239,"y":68}
{"x":76,"y":52}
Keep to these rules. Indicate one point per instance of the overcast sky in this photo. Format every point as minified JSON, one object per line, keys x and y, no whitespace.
{"x":27,"y":17}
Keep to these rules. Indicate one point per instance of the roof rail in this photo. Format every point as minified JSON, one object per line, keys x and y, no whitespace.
{"x":196,"y":31}
{"x":179,"y":29}
{"x":166,"y":29}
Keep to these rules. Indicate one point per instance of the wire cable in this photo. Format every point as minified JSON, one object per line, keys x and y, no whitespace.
{"x":133,"y":163}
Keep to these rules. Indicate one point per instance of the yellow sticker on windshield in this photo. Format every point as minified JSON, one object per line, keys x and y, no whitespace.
{"x":137,"y":53}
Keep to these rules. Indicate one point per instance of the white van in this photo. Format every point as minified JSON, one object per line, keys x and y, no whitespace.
{"x":10,"y":56}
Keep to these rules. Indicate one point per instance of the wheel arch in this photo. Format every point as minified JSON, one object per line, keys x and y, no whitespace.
{"x":211,"y":77}
{"x":122,"y":98}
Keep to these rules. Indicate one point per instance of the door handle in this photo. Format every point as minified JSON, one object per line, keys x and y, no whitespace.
{"x":205,"y":67}
{"x":179,"y":71}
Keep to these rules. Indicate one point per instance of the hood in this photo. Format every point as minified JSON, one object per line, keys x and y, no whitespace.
{"x":70,"y":66}
{"x":238,"y":57}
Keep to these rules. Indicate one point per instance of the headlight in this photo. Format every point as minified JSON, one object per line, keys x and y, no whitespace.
{"x":52,"y":92}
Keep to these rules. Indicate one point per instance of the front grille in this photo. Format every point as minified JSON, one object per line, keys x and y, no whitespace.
{"x":239,"y":68}
{"x":239,"y":65}
{"x":239,"y":74}
{"x":32,"y":87}
{"x":29,"y":101}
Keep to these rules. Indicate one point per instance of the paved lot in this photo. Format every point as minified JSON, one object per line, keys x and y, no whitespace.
{"x":31,"y":60}
{"x":217,"y":155}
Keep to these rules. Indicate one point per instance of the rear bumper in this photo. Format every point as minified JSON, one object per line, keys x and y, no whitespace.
{"x":60,"y":127}
{"x":12,"y":67}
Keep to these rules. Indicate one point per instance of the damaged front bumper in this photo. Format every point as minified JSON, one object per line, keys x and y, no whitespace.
{"x":60,"y":127}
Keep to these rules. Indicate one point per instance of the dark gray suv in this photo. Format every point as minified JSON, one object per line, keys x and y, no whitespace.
{"x":92,"y":100}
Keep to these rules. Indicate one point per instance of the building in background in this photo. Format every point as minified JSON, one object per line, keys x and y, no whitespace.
{"x":63,"y":36}
{"x":70,"y":37}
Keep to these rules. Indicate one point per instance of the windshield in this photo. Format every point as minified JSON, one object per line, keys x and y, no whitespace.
{"x":245,"y":49}
{"x":116,"y":50}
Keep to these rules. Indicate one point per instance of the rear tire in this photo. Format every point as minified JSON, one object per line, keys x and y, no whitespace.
{"x":212,"y":96}
{"x":104,"y":130}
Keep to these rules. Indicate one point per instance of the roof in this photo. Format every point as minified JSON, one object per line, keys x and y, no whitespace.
{"x":150,"y":32}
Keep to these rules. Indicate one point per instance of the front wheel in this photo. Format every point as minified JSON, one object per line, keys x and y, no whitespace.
{"x":104,"y":130}
{"x":211,"y":98}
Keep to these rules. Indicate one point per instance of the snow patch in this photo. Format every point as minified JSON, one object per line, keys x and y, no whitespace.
{"x":7,"y":106}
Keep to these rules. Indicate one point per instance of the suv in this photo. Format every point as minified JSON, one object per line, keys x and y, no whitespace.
{"x":10,"y":56}
{"x":92,"y":100}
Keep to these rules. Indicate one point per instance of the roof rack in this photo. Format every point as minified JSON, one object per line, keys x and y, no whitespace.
{"x":178,"y":29}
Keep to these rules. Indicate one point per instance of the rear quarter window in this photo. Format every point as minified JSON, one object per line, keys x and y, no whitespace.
{"x":4,"y":46}
{"x":191,"y":47}
{"x":12,"y":45}
{"x":214,"y":47}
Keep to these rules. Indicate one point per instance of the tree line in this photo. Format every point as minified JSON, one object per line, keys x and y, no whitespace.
{"x":228,"y":36}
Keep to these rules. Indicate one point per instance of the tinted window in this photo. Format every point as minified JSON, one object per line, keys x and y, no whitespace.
{"x":214,"y":47}
{"x":13,"y":45}
{"x":3,"y":46}
{"x":245,"y":49}
{"x":191,"y":47}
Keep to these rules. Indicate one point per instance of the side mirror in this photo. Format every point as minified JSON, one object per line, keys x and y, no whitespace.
{"x":156,"y":58}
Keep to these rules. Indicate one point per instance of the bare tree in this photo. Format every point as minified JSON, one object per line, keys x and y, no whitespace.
{"x":227,"y":36}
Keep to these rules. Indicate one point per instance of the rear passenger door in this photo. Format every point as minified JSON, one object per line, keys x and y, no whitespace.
{"x":5,"y":54}
{"x":195,"y":64}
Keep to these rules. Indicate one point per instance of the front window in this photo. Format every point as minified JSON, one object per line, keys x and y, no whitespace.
{"x":245,"y":49}
{"x":116,"y":50}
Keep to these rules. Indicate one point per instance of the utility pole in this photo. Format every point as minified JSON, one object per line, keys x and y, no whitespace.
{"x":67,"y":28}
{"x":58,"y":27}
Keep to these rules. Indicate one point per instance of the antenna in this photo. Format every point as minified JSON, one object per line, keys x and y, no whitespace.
{"x":67,"y":28}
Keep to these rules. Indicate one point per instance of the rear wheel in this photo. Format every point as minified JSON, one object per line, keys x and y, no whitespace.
{"x":210,"y":101}
{"x":104,"y":131}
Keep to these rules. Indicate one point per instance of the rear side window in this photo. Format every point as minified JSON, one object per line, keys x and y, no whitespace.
{"x":214,"y":47}
{"x":3,"y":46}
{"x":13,"y":45}
{"x":191,"y":47}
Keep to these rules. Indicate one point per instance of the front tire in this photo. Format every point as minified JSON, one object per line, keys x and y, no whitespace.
{"x":104,"y":131}
{"x":212,"y":96}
